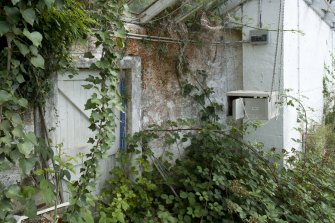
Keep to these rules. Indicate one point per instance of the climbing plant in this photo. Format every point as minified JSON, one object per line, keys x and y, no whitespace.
{"x":218,"y":178}
{"x":109,"y":35}
{"x":36,"y":38}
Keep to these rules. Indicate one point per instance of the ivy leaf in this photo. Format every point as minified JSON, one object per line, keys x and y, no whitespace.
{"x":49,"y":3}
{"x":15,"y":1}
{"x":4,"y":27}
{"x":16,"y":119}
{"x":4,"y":96}
{"x":23,"y":102}
{"x":13,"y":192}
{"x":47,"y":193}
{"x":29,"y":16}
{"x":26,"y":148}
{"x":35,"y":37}
{"x":24,"y":50}
{"x":13,"y":14}
{"x":37,"y":61}
{"x":20,"y":79}
{"x":28,"y":191}
{"x":31,"y":138}
{"x":30,"y":209}
{"x":27,"y":165}
{"x":17,"y":132}
{"x":33,"y":49}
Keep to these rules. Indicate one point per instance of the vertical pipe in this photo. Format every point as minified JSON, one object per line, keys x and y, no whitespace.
{"x":122,"y":115}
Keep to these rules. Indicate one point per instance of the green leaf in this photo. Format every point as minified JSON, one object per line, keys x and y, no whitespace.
{"x":31,"y":138}
{"x":67,"y":174}
{"x":29,"y":16}
{"x":26,"y":148}
{"x":4,"y":27}
{"x":15,"y":1}
{"x":16,"y":119}
{"x":13,"y":192}
{"x":88,"y":216}
{"x":37,"y":61}
{"x":35,"y":37}
{"x":4,"y":96}
{"x":30,"y":208}
{"x":28,"y":191}
{"x":13,"y":14}
{"x":23,"y":102}
{"x":27,"y":165}
{"x":119,"y":43}
{"x":20,"y":79}
{"x":4,"y":165}
{"x":49,"y":3}
{"x":33,"y":49}
{"x":47,"y":193}
{"x":18,"y":132}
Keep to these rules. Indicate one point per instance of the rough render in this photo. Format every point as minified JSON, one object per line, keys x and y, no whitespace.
{"x":161,"y":97}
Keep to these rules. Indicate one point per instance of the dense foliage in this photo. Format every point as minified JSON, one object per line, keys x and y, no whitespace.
{"x":36,"y":37}
{"x":219,"y":178}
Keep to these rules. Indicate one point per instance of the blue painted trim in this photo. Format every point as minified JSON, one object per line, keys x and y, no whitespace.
{"x":123,"y":116}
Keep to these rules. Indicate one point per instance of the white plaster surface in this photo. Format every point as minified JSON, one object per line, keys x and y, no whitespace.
{"x":258,"y":65}
{"x":305,"y":54}
{"x":300,"y":66}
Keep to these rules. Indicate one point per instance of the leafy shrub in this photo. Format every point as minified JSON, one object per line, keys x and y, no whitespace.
{"x":218,"y":179}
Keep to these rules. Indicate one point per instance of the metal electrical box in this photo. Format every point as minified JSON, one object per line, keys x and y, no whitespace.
{"x":259,"y":36}
{"x":252,"y":105}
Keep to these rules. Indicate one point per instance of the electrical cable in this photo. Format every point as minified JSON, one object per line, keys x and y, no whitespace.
{"x":260,"y":3}
{"x":280,"y":90}
{"x":179,"y":41}
{"x":276,"y":50}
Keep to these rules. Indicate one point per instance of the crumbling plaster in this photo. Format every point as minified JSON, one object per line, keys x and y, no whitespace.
{"x":161,"y":93}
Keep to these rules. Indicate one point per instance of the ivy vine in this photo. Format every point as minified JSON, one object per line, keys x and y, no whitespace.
{"x":36,"y":38}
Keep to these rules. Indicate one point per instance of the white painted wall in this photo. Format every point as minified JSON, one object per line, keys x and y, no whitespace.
{"x":303,"y":57}
{"x":258,"y":65}
{"x":305,"y":53}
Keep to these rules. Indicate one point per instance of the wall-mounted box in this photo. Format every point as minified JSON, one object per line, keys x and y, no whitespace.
{"x":252,"y":105}
{"x":259,"y":36}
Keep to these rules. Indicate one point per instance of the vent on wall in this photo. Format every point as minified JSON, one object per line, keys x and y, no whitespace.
{"x":252,"y":105}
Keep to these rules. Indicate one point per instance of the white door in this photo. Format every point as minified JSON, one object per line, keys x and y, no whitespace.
{"x":73,"y":121}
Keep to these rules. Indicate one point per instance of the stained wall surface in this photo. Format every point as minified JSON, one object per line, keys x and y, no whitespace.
{"x":161,"y":92}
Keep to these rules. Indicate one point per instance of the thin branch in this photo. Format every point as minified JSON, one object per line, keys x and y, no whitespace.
{"x":45,"y":130}
{"x":9,"y":51}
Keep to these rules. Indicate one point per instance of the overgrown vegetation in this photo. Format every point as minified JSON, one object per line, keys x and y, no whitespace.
{"x":36,"y":38}
{"x":219,"y":178}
